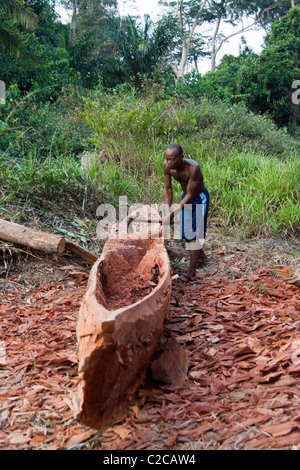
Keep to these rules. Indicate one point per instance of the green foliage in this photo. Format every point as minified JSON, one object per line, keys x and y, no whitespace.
{"x":29,"y":126}
{"x":124,"y":124}
{"x":43,"y":60}
{"x":278,"y":67}
{"x":143,"y":47}
{"x":262,"y":82}
{"x":251,"y":193}
{"x":251,"y":168}
{"x":54,"y":187}
{"x":93,"y":53}
{"x":222,"y":118}
{"x":14,"y":15}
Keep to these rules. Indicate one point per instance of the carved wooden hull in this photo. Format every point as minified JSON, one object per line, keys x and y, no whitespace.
{"x":120,"y":326}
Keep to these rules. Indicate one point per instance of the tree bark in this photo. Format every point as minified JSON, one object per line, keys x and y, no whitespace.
{"x":196,"y":65}
{"x":73,"y":22}
{"x":42,"y":241}
{"x":214,"y":45}
{"x":21,"y":235}
{"x":186,"y":40}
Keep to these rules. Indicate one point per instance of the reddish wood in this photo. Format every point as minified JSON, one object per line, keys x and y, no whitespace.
{"x":120,"y":326}
{"x":171,"y":364}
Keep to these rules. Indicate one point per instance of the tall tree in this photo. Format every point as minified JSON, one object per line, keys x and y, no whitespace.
{"x":232,"y":12}
{"x":43,"y":61}
{"x":189,"y":14}
{"x":264,"y":82}
{"x":73,"y":22}
{"x":193,"y":15}
{"x":92,"y":50}
{"x":278,"y":67}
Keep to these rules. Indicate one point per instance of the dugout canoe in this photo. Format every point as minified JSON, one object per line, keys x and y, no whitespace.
{"x":121,"y":323}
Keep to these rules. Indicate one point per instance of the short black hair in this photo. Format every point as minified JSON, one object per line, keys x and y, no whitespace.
{"x":176,"y":147}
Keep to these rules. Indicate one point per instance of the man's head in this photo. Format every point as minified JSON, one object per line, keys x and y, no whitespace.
{"x":174,"y":155}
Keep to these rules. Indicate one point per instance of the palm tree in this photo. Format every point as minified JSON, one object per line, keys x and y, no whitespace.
{"x":143,"y":47}
{"x":14,"y":14}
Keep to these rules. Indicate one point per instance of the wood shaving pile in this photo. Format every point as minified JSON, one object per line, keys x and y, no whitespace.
{"x":242,"y":336}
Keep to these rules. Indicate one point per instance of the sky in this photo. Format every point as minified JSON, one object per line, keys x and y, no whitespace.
{"x":254,"y":39}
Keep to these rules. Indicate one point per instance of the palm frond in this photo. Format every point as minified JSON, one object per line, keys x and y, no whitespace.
{"x":18,"y":11}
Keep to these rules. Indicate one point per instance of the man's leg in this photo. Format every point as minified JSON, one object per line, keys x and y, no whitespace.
{"x":195,"y":221}
{"x":205,"y":197}
{"x":195,"y":249}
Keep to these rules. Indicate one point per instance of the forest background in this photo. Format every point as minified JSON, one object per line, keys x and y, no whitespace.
{"x":91,"y":105}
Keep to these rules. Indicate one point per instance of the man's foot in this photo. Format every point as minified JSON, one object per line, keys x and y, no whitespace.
{"x":184,"y":278}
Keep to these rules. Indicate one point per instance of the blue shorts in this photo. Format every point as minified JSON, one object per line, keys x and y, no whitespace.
{"x":193,"y":218}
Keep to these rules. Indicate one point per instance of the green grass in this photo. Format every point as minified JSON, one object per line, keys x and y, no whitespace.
{"x":258,"y":195}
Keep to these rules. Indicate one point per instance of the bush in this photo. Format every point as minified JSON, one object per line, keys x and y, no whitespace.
{"x":31,"y":126}
{"x":124,"y":125}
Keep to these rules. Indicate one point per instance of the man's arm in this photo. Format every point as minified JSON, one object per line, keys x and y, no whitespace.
{"x":168,"y":192}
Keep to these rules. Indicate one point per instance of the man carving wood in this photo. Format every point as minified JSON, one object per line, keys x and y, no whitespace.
{"x":193,"y":207}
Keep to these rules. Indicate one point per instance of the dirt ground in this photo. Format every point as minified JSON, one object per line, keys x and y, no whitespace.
{"x":238,"y":324}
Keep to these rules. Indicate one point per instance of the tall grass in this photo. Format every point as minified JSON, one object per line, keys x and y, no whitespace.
{"x":257,"y":195}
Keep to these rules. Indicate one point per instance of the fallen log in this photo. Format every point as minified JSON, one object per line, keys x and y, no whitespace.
{"x":42,"y":241}
{"x":21,"y":235}
{"x":120,"y":324}
{"x":80,"y":251}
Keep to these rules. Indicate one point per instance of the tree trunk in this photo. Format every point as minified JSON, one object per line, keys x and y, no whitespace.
{"x":73,"y":22}
{"x":217,"y":47}
{"x":196,"y":65}
{"x":293,"y":3}
{"x":15,"y":233}
{"x":184,"y":57}
{"x":186,"y":41}
{"x":214,"y":49}
{"x":42,"y":241}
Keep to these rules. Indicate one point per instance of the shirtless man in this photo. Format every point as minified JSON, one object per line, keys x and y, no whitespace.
{"x":190,"y":177}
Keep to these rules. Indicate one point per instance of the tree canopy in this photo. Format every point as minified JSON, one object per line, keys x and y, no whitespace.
{"x":38,"y":52}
